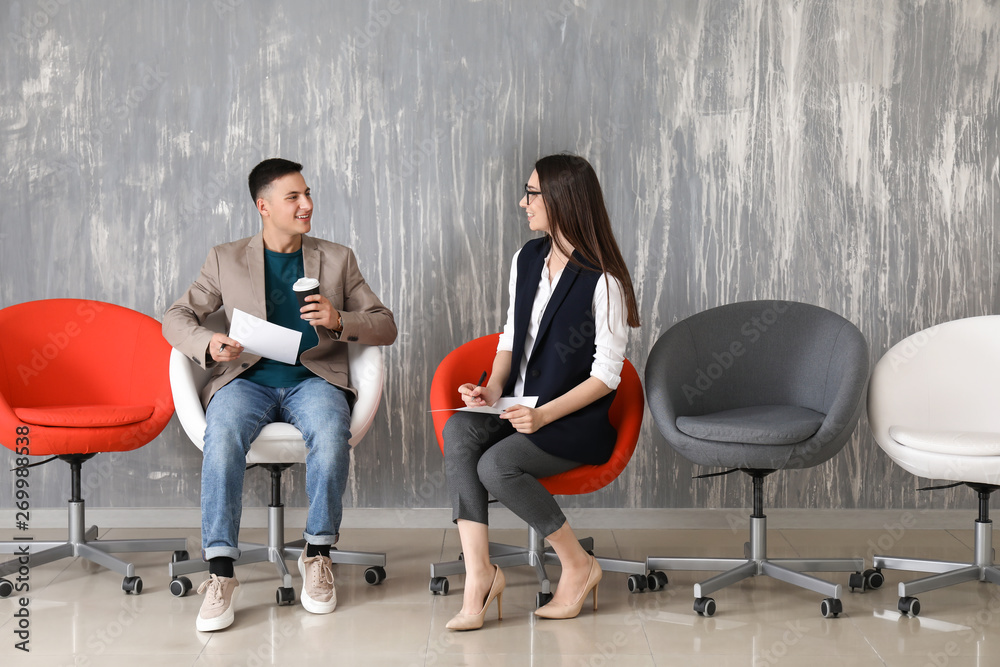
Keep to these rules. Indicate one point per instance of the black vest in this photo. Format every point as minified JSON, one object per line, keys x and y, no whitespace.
{"x":562,"y":356}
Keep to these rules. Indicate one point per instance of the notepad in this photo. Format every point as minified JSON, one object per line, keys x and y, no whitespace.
{"x":502,"y":404}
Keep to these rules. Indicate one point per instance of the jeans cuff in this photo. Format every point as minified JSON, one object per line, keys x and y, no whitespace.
{"x":220,"y":552}
{"x":321,"y":539}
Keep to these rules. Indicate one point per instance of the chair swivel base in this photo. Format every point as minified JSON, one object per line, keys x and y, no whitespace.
{"x":948,"y":573}
{"x":537,"y":556}
{"x":277,"y":551}
{"x":756,"y":563}
{"x":82,"y":543}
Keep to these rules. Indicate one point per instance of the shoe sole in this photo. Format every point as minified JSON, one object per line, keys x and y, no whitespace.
{"x":308,"y":603}
{"x":219,"y":622}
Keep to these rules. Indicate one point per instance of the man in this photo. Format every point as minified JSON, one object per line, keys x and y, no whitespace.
{"x":247,"y":392}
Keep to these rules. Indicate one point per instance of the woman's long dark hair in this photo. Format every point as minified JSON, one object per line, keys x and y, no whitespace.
{"x":575,"y":208}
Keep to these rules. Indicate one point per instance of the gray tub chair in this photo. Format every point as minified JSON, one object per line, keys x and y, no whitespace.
{"x":758,"y":387}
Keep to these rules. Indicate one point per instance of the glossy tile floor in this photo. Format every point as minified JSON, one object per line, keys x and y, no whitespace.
{"x":79,"y":616}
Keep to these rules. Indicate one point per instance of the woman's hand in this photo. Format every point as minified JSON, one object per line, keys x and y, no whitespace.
{"x":524,"y":419}
{"x":477,"y":396}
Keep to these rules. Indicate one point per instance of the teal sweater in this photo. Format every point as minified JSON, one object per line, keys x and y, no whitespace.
{"x":281,"y":270}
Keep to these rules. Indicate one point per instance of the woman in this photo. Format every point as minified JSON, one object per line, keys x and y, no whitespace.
{"x":571,"y":303}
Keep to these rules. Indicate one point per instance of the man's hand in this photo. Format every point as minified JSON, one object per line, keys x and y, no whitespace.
{"x":222,"y":348}
{"x":319,"y":312}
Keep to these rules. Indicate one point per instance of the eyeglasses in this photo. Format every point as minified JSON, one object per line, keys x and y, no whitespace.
{"x":528,"y":193}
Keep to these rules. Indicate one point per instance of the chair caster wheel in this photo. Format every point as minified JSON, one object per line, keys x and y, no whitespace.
{"x":6,"y":588}
{"x":909,"y":605}
{"x":439,"y":585}
{"x":704,"y":606}
{"x":656,"y":580}
{"x":132,"y":585}
{"x":375,"y":575}
{"x":874,"y":579}
{"x":831,"y":607}
{"x":180,"y":586}
{"x":284,"y":596}
{"x":857,"y":581}
{"x":542,"y":599}
{"x":178,"y":556}
{"x":636,"y":583}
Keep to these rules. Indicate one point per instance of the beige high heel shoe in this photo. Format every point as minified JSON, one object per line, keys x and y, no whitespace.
{"x":475,"y":621}
{"x":552,"y":610}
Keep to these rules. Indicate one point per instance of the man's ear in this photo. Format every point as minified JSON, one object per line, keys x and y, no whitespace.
{"x":262,"y":206}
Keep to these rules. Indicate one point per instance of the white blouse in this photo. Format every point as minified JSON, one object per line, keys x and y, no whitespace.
{"x":610,"y":337}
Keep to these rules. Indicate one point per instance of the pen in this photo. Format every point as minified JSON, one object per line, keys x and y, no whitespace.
{"x":482,"y":378}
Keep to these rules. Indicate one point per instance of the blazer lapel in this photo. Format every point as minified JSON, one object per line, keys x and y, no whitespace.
{"x":527,"y":285}
{"x":255,"y":266}
{"x":566,"y":281}
{"x":311,"y":258}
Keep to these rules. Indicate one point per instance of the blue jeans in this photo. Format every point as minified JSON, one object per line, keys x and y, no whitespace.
{"x":235,"y":415}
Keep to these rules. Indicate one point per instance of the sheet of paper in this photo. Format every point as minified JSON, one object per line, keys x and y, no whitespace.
{"x":268,"y":340}
{"x":502,"y":404}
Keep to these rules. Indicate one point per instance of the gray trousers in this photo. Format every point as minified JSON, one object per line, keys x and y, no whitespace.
{"x":484,"y":455}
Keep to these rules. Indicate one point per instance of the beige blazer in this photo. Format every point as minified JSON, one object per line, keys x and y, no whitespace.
{"x":233,"y":277}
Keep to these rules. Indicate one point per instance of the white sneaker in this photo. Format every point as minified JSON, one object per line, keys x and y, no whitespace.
{"x":319,"y":595}
{"x":219,"y":606}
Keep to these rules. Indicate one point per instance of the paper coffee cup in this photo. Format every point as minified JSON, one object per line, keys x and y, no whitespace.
{"x":303,"y":287}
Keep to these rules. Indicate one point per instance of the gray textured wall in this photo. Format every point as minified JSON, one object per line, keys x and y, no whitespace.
{"x":840,"y":152}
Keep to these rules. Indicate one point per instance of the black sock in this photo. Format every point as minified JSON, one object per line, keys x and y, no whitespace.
{"x":221,"y":566}
{"x":317,"y":550}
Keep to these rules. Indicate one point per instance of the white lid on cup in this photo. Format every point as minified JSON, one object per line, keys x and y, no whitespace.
{"x":305,"y":284}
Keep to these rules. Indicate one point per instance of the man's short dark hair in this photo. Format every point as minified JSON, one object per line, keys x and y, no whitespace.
{"x":267,"y":172}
